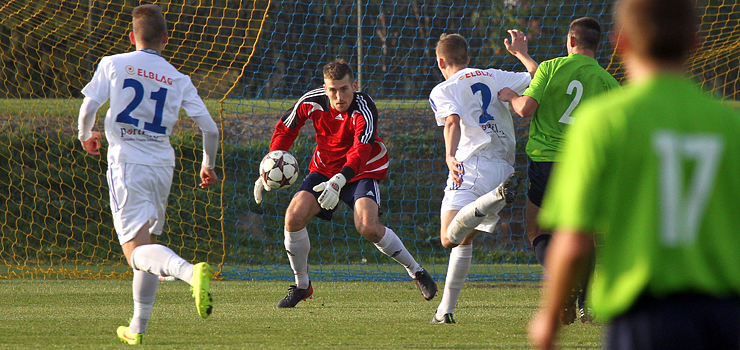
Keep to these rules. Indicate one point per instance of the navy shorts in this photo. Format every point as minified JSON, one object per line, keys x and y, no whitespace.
{"x":684,"y":321}
{"x":539,"y":173}
{"x":349,"y":193}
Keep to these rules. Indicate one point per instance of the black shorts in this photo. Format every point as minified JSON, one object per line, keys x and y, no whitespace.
{"x":350,"y":193}
{"x":539,"y":174}
{"x":686,"y":321}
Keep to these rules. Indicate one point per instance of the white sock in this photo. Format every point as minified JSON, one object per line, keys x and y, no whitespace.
{"x":471,"y":215}
{"x":297,"y":245}
{"x":392,"y":246}
{"x":457,"y":271}
{"x":160,"y":260}
{"x":145,"y":290}
{"x":491,"y":202}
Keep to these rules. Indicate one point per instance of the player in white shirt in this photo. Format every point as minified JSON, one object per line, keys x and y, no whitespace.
{"x":479,"y":151}
{"x":146,"y":94}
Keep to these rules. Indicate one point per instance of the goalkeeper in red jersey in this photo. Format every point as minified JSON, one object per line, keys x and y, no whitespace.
{"x":347,"y":164}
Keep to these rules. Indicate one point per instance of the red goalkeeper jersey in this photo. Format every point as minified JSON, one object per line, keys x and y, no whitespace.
{"x":346,"y":140}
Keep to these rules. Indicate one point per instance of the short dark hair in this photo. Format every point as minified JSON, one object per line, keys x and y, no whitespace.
{"x":149,"y":23}
{"x":662,"y":30}
{"x":337,"y":70}
{"x":453,"y":48}
{"x":587,"y":33}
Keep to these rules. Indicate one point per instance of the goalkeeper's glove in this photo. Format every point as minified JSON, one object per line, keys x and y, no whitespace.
{"x":330,"y":196}
{"x":259,"y":185}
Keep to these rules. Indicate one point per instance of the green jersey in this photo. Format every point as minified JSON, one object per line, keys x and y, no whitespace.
{"x":559,"y":86}
{"x":654,"y":173}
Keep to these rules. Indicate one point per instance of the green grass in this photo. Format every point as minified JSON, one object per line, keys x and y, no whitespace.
{"x":84,"y":314}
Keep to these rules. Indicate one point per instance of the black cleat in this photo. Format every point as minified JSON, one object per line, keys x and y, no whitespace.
{"x":447,"y":318}
{"x":295,"y":295}
{"x":509,"y":188}
{"x":568,"y":315}
{"x":426,"y":284}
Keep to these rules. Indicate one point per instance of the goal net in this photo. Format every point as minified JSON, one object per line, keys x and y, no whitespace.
{"x":250,"y":60}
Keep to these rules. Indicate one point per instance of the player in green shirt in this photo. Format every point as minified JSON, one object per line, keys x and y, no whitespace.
{"x":651,"y":176}
{"x":557,"y":89}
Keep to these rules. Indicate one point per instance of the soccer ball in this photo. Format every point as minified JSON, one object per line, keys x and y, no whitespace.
{"x":279,"y":169}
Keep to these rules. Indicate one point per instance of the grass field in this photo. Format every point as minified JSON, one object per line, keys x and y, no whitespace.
{"x":84,"y":314}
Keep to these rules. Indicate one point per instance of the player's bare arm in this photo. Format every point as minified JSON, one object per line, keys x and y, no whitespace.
{"x":452,"y":139}
{"x":568,"y":253}
{"x":518,"y":47}
{"x":523,"y":105}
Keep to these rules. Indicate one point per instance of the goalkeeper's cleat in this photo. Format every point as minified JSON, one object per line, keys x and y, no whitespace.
{"x":447,"y":318}
{"x":128,"y":337}
{"x":294,"y":296}
{"x":426,"y":284}
{"x":587,"y":315}
{"x":201,"y":287}
{"x":508,"y":189}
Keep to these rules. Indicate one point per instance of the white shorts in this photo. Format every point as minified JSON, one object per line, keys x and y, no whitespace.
{"x":481,"y":175}
{"x":138,"y":196}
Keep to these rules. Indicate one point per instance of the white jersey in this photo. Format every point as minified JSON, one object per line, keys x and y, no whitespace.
{"x":485,"y":121}
{"x":146,"y":93}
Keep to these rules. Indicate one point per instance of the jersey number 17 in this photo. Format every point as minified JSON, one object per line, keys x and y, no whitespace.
{"x":682,"y":209}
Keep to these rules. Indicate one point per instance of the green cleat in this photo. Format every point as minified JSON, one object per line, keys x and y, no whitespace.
{"x":130,"y":338}
{"x":201,"y":289}
{"x":447,"y":318}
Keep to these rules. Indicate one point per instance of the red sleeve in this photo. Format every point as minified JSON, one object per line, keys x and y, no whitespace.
{"x":287,"y":129}
{"x":365,"y":121}
{"x":360,"y":152}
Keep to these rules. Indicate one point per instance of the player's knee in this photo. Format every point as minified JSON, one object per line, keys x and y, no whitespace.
{"x":292,"y":224}
{"x":372,"y":231}
{"x":446,"y":243}
{"x":299,"y":213}
{"x":294,"y":221}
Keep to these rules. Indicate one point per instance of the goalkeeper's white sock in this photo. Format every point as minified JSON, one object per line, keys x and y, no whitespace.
{"x":457,"y":271}
{"x":471,"y":215}
{"x":160,"y":260}
{"x":392,"y":246}
{"x":297,"y":245}
{"x":145,"y":290}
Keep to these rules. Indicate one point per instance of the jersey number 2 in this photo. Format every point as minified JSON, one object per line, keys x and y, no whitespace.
{"x":681,"y":209}
{"x":485,"y":95}
{"x":575,"y":84}
{"x":159,"y":96}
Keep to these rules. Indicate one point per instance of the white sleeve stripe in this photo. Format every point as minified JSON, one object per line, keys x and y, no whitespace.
{"x":384,"y":166}
{"x":383,"y":151}
{"x":367,"y":115}
{"x":294,"y":112}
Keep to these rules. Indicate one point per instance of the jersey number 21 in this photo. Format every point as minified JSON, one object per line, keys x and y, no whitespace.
{"x":159,"y":96}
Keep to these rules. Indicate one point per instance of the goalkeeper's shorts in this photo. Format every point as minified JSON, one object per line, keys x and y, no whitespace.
{"x":349,"y":194}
